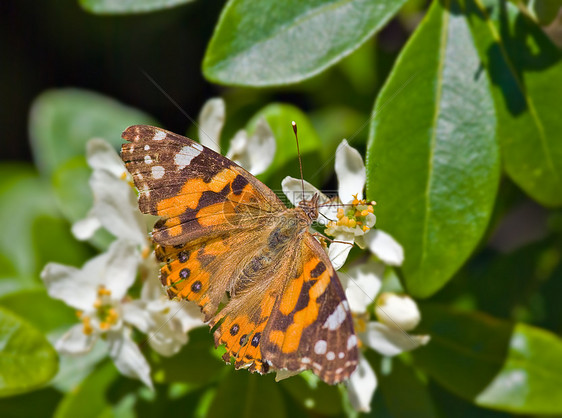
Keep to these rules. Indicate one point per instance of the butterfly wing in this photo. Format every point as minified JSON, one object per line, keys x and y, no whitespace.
{"x":311,"y":326}
{"x":196,"y":191}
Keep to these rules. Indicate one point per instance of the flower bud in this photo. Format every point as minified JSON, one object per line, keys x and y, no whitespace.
{"x":397,"y":311}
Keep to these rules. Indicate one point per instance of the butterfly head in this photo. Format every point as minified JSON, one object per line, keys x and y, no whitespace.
{"x":310,"y":207}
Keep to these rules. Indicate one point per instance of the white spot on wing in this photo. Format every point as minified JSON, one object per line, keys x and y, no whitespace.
{"x":331,"y":355}
{"x":305,"y":360}
{"x":158,"y":172}
{"x":336,"y":318}
{"x":184,"y":157}
{"x":351,"y":342}
{"x":147,"y":159}
{"x":159,"y":136}
{"x":341,"y":354}
{"x":345,"y":305}
{"x":320,"y":347}
{"x":146,"y":147}
{"x":198,"y":146}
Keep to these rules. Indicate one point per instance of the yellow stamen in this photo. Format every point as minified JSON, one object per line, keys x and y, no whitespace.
{"x":340,"y":213}
{"x":102,"y":291}
{"x":370,"y":209}
{"x":79,"y":314}
{"x":97,"y":303}
{"x":365,"y":228}
{"x":86,"y":326}
{"x":352,"y":223}
{"x":145,"y":252}
{"x":123,"y":175}
{"x":364,"y":212}
{"x":357,"y":214}
{"x":104,"y":326}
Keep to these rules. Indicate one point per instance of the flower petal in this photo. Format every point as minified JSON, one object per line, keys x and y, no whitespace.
{"x":102,"y":156}
{"x":350,"y":171}
{"x":121,"y":267}
{"x":338,"y":251}
{"x":261,"y":148}
{"x":85,"y":228}
{"x":363,"y":284}
{"x":386,"y":248}
{"x":362,"y":385}
{"x":77,"y":288}
{"x":127,"y":357}
{"x":116,"y":207}
{"x":75,"y":341}
{"x":135,"y":314}
{"x":211,"y":120}
{"x":293,"y":189}
{"x":285,"y":374}
{"x":391,"y":341}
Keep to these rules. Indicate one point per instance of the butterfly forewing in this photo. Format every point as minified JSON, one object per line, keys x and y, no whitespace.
{"x":224,"y":233}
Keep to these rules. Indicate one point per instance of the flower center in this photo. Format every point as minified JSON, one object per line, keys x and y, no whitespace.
{"x":105,"y":312}
{"x":359,"y":214}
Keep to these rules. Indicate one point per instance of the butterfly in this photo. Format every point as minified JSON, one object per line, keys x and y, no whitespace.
{"x":263,"y":282}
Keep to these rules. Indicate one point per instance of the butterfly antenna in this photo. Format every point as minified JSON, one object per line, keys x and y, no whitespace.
{"x":299,"y":154}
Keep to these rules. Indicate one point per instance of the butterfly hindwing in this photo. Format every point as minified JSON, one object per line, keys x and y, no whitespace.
{"x":311,"y":326}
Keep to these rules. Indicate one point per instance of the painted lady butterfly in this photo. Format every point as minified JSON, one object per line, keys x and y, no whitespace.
{"x":222,"y":231}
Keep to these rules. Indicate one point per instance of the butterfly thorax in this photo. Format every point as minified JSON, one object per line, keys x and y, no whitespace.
{"x":310,"y":208}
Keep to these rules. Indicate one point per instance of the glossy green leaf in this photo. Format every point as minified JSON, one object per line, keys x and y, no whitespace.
{"x":27,"y":360}
{"x":72,"y":189}
{"x":195,"y":364}
{"x":432,"y":157}
{"x":62,"y":121}
{"x":496,"y":364}
{"x":271,"y":43}
{"x":24,"y":199}
{"x":545,"y":11}
{"x":128,"y":6}
{"x":91,"y":398}
{"x":313,"y":394}
{"x":285,"y":163}
{"x":525,"y":69}
{"x":247,"y":395}
{"x":405,"y":394}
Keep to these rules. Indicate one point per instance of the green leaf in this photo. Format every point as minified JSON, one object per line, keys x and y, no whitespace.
{"x":404,"y":392}
{"x":24,"y":199}
{"x":72,"y":189}
{"x":27,"y":360}
{"x":525,"y":69}
{"x":432,"y":157}
{"x":91,"y":397}
{"x":545,"y":11}
{"x":37,"y":404}
{"x":493,"y":363}
{"x":247,"y":395}
{"x":271,"y":43}
{"x":313,"y":394}
{"x":195,"y":364}
{"x":47,"y":315}
{"x":62,"y":121}
{"x":279,"y":117}
{"x":128,"y":6}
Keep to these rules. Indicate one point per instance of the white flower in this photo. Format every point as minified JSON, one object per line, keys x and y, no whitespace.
{"x":98,"y":292}
{"x":115,"y":206}
{"x":255,"y":153}
{"x":388,"y":336}
{"x":165,"y":322}
{"x":349,"y":218}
